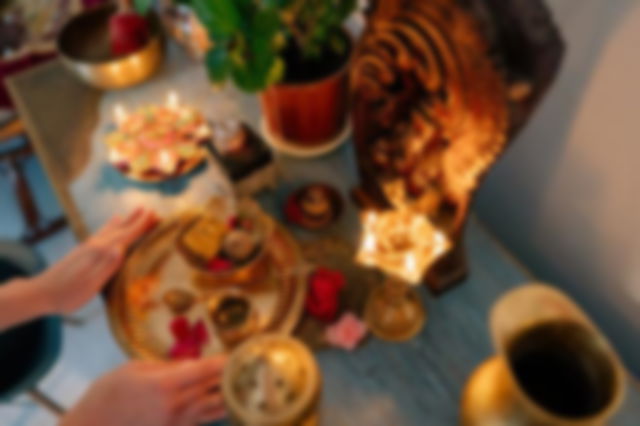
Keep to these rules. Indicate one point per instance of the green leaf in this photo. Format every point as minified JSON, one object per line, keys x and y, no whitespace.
{"x":247,"y":79}
{"x":218,"y":63}
{"x":142,"y":7}
{"x":276,"y":72}
{"x":221,"y":18}
{"x":276,"y":4}
{"x":265,"y":23}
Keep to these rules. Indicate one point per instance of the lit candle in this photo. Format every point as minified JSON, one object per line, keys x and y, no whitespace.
{"x":440,"y":242}
{"x":166,"y":161}
{"x":369,"y":243}
{"x":119,"y":113}
{"x":172,"y":100}
{"x":410,"y":263}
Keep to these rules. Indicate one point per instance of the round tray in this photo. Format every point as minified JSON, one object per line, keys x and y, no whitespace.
{"x":278,"y":299}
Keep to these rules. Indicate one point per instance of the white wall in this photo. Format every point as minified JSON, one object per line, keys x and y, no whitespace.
{"x":566,"y":196}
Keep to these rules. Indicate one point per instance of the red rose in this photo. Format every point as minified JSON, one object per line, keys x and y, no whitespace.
{"x":322,"y":298}
{"x":188,"y":340}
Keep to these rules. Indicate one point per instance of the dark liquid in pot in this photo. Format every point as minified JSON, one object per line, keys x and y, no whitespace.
{"x":563,"y":368}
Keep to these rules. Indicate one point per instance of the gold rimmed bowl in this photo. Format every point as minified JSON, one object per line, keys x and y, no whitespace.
{"x":83,"y":45}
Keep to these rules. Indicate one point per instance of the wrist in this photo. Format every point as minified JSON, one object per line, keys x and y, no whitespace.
{"x":36,"y":296}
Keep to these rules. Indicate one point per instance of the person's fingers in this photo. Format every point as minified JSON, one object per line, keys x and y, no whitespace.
{"x":106,"y":265}
{"x":112,"y":226}
{"x":191,"y":393}
{"x":193,"y":372}
{"x":140,"y":225}
{"x":212,"y":414}
{"x":205,"y":409}
{"x":133,"y":229}
{"x":112,"y":223}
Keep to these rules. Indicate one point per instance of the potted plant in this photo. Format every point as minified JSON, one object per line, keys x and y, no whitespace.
{"x":295,"y":52}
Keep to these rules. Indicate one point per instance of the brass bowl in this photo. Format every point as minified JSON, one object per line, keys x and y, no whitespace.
{"x":245,"y":274}
{"x":83,"y":45}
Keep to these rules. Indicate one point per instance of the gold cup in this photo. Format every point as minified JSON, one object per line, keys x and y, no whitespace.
{"x":553,"y":366}
{"x":272,"y":380}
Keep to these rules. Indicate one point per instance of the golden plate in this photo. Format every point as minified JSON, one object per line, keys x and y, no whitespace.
{"x":145,"y":333}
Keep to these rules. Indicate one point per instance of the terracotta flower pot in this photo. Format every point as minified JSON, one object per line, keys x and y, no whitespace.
{"x":309,"y":113}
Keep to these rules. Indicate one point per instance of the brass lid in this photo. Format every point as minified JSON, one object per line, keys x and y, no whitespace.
{"x":271,"y":379}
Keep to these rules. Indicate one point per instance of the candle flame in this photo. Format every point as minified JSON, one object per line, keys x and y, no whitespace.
{"x":119,"y":113}
{"x":172,"y":100}
{"x":401,"y":242}
{"x":369,"y":242}
{"x":410,"y":263}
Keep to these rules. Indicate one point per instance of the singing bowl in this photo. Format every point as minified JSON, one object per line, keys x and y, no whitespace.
{"x":83,"y":45}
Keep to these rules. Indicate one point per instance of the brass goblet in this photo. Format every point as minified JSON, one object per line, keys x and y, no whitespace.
{"x":394,"y":311}
{"x":403,"y":244}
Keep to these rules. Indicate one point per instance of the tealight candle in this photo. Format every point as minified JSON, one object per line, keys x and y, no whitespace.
{"x":172,"y":100}
{"x":119,"y":114}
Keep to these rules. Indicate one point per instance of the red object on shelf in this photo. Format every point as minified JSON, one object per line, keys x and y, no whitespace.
{"x":128,"y":32}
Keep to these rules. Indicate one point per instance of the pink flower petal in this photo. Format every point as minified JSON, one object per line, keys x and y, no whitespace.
{"x":347,"y":332}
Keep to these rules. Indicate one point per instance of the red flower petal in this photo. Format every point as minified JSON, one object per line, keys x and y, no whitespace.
{"x":180,"y":328}
{"x":218,"y":264}
{"x":199,"y":333}
{"x":184,"y":350}
{"x":323,"y":296}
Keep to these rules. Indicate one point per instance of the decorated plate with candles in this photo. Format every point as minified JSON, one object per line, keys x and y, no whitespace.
{"x":161,"y":307}
{"x":158,"y":142}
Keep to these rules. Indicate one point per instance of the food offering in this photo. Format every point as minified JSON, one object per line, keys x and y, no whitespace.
{"x":315,"y":206}
{"x":158,"y":142}
{"x":229,"y":250}
{"x":204,"y":281}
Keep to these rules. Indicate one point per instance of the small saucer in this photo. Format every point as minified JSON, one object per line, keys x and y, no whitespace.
{"x":301,"y":151}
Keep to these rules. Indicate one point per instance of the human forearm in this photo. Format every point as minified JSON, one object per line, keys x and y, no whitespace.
{"x":75,"y":279}
{"x":22,"y":300}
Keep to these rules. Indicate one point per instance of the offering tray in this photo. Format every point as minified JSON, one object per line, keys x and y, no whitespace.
{"x":141,"y":319}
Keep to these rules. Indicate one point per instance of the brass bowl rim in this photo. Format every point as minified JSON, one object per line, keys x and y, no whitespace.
{"x":154,"y":41}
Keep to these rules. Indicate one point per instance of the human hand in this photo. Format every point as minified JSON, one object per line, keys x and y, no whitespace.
{"x":75,"y":279}
{"x":153,"y":393}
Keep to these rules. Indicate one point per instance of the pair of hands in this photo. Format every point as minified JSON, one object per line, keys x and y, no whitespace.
{"x":143,"y":393}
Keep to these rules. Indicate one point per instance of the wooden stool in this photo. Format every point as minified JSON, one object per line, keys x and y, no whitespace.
{"x":12,"y":154}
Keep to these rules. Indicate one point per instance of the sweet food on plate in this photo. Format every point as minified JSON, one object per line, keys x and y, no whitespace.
{"x":178,"y":300}
{"x":314,"y":206}
{"x":158,"y":142}
{"x":233,"y":318}
{"x":230,"y":250}
{"x":203,"y":238}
